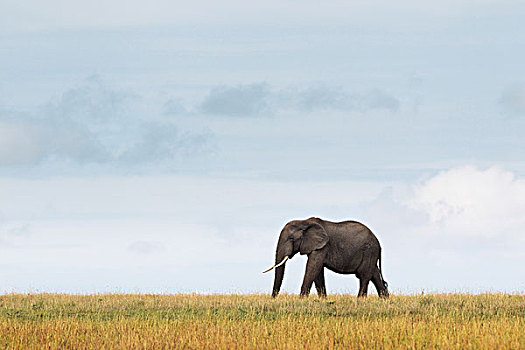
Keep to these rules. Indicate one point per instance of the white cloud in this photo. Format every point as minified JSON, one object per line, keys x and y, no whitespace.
{"x":11,"y":233}
{"x":146,"y":247}
{"x":470,"y":201}
{"x":18,"y":143}
{"x":31,"y":141}
{"x":460,"y":230}
{"x":198,"y":231}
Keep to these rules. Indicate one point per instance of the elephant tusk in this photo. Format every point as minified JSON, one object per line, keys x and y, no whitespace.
{"x":279,"y":264}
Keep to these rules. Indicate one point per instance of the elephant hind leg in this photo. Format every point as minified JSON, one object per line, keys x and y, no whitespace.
{"x":363,"y":287}
{"x":365,"y":273}
{"x":378,"y":283}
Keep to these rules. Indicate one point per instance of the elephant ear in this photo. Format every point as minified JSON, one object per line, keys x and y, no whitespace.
{"x":314,"y":237}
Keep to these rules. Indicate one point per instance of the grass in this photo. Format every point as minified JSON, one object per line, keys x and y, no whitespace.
{"x":122,"y":321}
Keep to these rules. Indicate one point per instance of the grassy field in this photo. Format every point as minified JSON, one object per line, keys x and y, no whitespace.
{"x":453,"y":321}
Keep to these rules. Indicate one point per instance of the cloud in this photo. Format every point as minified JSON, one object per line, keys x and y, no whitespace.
{"x":460,"y":229}
{"x":92,"y":103}
{"x":378,"y":99}
{"x":13,"y":233}
{"x":467,"y":201}
{"x":74,"y":14}
{"x":94,"y":123}
{"x":463,"y":211}
{"x":32,"y":141}
{"x":174,"y":106}
{"x":18,"y":143}
{"x":314,"y":97}
{"x":164,"y":141}
{"x":240,"y":100}
{"x":117,"y":218}
{"x":513,"y":99}
{"x":261,"y":99}
{"x":145,"y":247}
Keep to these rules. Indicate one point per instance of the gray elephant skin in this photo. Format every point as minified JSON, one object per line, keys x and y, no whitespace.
{"x":346,"y":247}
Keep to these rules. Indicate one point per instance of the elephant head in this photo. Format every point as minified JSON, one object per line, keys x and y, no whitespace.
{"x":302,"y":236}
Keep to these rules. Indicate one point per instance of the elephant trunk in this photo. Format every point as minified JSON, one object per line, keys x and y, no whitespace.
{"x":281,"y":256}
{"x":278,"y":281}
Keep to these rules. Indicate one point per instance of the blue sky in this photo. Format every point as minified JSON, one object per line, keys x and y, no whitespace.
{"x":161,"y":147}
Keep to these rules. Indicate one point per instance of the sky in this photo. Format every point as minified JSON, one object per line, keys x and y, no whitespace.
{"x":161,"y":147}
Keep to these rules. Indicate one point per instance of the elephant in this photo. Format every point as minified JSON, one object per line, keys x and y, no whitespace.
{"x":346,"y":247}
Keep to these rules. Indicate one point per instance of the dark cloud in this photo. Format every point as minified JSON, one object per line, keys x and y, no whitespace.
{"x":92,"y":103}
{"x":312,"y":98}
{"x":378,"y":99}
{"x":93,"y":123}
{"x":164,"y":141}
{"x":240,"y":100}
{"x":513,"y":99}
{"x":322,"y":97}
{"x":97,"y":124}
{"x":260,"y":99}
{"x":174,"y":106}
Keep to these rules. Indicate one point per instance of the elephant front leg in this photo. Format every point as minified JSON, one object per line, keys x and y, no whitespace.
{"x":319,"y":284}
{"x":314,"y":266}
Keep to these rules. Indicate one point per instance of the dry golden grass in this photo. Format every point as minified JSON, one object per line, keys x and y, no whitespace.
{"x":438,"y":321}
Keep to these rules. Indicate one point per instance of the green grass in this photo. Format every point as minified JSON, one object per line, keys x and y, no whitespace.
{"x":447,"y":321}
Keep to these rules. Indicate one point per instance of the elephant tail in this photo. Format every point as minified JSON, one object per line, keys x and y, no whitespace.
{"x":381,"y":271}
